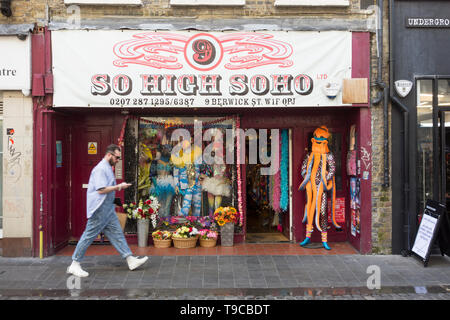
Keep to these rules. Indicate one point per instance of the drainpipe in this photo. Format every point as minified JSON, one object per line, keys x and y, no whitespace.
{"x":404,"y":109}
{"x":382,"y":95}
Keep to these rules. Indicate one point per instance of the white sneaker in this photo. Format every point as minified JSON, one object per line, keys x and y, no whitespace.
{"x":134,"y":262}
{"x":75,"y":269}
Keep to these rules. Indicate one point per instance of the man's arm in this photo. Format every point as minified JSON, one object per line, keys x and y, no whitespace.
{"x":117,"y":187}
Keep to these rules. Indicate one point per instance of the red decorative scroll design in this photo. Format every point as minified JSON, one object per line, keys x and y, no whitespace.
{"x":242,"y":50}
{"x":250,"y":50}
{"x":157,"y":50}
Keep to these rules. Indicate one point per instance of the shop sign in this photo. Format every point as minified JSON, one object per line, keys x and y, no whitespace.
{"x":428,"y":22}
{"x":15,"y":63}
{"x":108,"y":68}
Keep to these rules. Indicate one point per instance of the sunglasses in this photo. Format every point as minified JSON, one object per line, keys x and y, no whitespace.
{"x":117,"y":157}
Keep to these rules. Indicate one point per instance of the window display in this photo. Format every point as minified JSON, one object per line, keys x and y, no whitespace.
{"x":182,"y":163}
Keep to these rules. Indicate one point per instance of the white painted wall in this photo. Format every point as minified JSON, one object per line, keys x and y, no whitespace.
{"x":17,"y":165}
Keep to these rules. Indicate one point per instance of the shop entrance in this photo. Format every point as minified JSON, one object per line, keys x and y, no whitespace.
{"x":267,"y":191}
{"x":337,"y":143}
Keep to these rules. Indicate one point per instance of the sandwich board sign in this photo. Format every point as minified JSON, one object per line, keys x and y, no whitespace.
{"x":428,"y":230}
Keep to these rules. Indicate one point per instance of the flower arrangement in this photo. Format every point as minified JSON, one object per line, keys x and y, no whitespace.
{"x":223,"y":215}
{"x":185,"y":232}
{"x":162,"y":235}
{"x":208,"y":234}
{"x":144,"y":209}
{"x":200,"y":222}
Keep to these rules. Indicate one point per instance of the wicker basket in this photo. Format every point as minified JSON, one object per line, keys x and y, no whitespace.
{"x":208,"y":243}
{"x":183,"y":243}
{"x":166,"y":243}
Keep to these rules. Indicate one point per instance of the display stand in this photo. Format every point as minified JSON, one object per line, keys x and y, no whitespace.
{"x":428,"y":230}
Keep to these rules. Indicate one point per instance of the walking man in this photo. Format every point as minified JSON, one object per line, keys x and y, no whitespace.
{"x":101,"y":214}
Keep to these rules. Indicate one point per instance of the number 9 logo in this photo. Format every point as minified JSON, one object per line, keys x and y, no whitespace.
{"x":203,"y":52}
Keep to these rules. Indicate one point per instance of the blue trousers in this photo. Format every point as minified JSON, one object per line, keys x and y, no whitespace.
{"x":103,"y":220}
{"x":192,"y":195}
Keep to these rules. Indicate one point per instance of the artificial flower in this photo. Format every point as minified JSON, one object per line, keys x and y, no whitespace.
{"x":144,"y":209}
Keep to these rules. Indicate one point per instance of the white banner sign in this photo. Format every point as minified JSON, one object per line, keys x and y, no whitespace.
{"x":15,"y":63}
{"x":196,"y":69}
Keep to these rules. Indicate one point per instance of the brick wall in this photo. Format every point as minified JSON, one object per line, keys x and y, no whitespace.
{"x":30,"y":11}
{"x":381,"y":196}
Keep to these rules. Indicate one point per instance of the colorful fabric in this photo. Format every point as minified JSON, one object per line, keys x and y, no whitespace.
{"x":318,"y":171}
{"x":284,"y":184}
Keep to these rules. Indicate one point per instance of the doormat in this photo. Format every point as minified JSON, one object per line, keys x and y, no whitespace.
{"x":265,"y":237}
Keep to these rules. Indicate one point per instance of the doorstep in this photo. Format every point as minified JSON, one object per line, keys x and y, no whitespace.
{"x":337,"y":248}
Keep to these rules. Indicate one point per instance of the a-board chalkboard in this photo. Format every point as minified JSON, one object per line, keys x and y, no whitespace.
{"x":428,"y":230}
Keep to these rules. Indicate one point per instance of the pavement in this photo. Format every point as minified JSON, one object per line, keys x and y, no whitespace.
{"x":243,"y":277}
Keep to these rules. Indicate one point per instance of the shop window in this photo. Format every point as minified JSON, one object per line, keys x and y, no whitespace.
{"x":424,"y":142}
{"x":207,"y":3}
{"x":183,"y":163}
{"x":331,"y":3}
{"x":444,"y":93}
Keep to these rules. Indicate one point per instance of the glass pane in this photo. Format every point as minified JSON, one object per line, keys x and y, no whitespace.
{"x":444,"y":93}
{"x":424,"y":142}
{"x":183,"y":187}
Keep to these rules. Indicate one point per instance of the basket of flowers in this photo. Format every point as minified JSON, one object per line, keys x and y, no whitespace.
{"x":162,"y":239}
{"x":185,"y":237}
{"x":208,"y":238}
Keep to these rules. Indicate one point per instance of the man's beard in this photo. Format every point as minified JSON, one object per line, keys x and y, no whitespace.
{"x":111,"y":162}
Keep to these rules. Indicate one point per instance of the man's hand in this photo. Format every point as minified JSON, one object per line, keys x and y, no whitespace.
{"x":123,"y":185}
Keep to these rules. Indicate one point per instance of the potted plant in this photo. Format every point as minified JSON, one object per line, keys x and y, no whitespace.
{"x":208,"y":238}
{"x":144,"y":211}
{"x":162,"y":239}
{"x":226,"y":218}
{"x":185,"y":237}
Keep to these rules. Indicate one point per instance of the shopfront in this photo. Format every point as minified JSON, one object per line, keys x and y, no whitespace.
{"x":248,"y":102}
{"x":420,"y":119}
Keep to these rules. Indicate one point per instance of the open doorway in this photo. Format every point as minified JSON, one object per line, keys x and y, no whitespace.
{"x":267,"y":191}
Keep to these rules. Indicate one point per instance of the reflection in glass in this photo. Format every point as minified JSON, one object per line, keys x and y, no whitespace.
{"x":444,"y":93}
{"x":424,"y":142}
{"x":184,"y":183}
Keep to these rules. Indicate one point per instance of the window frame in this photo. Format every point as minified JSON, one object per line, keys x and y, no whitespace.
{"x":312,"y":3}
{"x":227,"y":3}
{"x":104,"y":2}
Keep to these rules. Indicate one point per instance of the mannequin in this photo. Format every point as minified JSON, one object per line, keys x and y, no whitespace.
{"x":318,"y":171}
{"x":217,"y":185}
{"x":216,"y":182}
{"x":163,"y":184}
{"x":187,"y":176}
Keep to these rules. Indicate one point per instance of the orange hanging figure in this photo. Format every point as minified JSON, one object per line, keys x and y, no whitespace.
{"x":318,"y":171}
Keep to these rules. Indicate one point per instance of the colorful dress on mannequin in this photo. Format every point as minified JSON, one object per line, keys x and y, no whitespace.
{"x":318,"y":170}
{"x":186,"y":173}
{"x":217,"y":184}
{"x":163,"y":183}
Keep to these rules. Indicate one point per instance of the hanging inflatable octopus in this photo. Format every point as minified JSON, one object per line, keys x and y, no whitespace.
{"x":318,"y":171}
